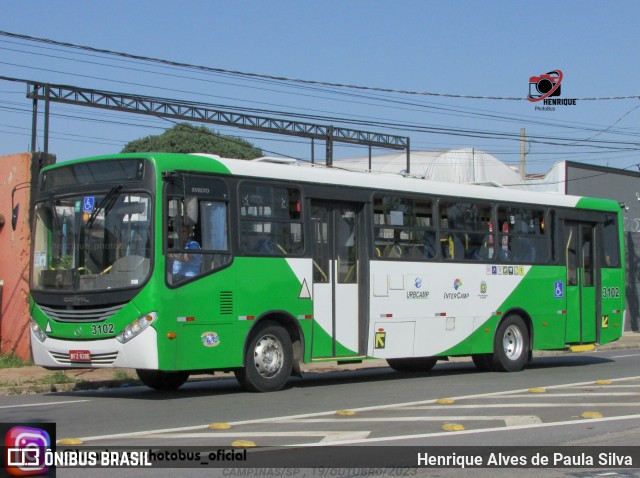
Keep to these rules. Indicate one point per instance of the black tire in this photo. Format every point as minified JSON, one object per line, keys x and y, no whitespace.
{"x":483,"y":362}
{"x":159,"y":380}
{"x":268,"y":360}
{"x":511,"y":345}
{"x":417,"y":364}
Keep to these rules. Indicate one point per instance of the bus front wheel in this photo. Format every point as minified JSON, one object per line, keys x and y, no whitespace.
{"x":511,"y":346}
{"x":268,"y":361}
{"x":159,"y":380}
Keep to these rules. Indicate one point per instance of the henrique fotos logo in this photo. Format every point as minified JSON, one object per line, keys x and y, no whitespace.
{"x":546,"y":87}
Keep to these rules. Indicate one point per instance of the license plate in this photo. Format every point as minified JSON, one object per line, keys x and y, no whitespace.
{"x":80,"y":355}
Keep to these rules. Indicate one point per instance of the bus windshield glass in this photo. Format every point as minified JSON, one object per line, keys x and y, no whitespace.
{"x":92,"y":242}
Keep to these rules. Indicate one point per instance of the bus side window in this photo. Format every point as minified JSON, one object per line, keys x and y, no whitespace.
{"x":611,"y":257}
{"x":429,"y":250}
{"x":571,"y":247}
{"x":197,"y":238}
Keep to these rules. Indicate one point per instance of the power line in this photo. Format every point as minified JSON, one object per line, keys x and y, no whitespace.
{"x":536,"y":139}
{"x":279,"y":78}
{"x":612,"y":147}
{"x":439,"y":109}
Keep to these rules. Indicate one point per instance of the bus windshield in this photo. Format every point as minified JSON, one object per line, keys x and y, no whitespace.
{"x":92,"y":242}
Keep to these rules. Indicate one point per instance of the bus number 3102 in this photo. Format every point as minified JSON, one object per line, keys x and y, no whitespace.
{"x":99,"y":329}
{"x":610,"y":292}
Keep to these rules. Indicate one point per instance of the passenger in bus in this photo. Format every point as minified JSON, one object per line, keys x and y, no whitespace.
{"x":185,"y":264}
{"x":522,"y":247}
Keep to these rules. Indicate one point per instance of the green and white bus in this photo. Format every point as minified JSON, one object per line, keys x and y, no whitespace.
{"x":175,"y":264}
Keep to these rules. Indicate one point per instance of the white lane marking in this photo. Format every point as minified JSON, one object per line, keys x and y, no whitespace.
{"x":605,"y":387}
{"x":508,"y":419}
{"x":481,"y":430}
{"x":327,"y":436}
{"x":333,"y":437}
{"x":43,"y":404}
{"x":332,"y":412}
{"x":523,"y":405}
{"x":564,"y":395}
{"x":623,"y":356}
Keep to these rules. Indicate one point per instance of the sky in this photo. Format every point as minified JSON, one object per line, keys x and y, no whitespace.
{"x":478,"y":55}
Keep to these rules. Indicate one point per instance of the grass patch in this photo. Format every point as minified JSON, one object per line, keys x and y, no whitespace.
{"x":13,"y":361}
{"x":56,"y":377}
{"x":122,"y":375}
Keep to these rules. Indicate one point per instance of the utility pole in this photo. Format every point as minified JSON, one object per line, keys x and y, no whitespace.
{"x":523,"y":154}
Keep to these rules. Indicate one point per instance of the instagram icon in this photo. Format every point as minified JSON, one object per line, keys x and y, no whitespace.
{"x":25,"y":451}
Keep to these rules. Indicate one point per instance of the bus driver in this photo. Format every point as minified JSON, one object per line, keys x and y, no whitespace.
{"x":184,"y":264}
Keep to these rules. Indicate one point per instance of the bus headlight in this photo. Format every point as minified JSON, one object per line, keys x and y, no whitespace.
{"x":37,"y":331}
{"x":136,"y":327}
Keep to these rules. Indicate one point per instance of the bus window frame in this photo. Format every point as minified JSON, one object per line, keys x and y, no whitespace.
{"x":226,"y":198}
{"x":549,"y":236}
{"x":616,"y":242}
{"x":405,"y":196}
{"x":302,"y":220}
{"x":446,"y":231}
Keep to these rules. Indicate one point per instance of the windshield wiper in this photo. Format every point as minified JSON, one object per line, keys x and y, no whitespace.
{"x":54,"y":213}
{"x":106,"y":203}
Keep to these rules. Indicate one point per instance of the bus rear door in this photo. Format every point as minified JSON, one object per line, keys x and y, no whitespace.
{"x":337,"y":271}
{"x":583,"y":275}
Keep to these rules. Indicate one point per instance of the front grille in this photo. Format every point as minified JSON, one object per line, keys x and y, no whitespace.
{"x":96,"y":359}
{"x":98,"y":314}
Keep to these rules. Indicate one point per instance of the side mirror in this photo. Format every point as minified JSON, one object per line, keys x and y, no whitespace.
{"x":15,"y":208}
{"x":14,"y":216}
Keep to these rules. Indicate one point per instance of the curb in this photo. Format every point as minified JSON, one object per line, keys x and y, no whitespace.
{"x":66,"y":387}
{"x":321,"y":367}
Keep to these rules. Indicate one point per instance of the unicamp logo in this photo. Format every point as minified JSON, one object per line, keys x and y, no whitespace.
{"x":545,"y":88}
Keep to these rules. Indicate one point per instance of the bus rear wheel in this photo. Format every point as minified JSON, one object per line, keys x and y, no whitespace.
{"x":417,"y":364}
{"x":511,"y":345}
{"x":268,"y":360}
{"x":159,"y":380}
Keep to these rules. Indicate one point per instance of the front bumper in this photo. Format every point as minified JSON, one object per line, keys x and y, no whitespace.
{"x":139,"y":352}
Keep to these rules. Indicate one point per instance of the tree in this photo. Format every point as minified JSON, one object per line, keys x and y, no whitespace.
{"x":185,"y":138}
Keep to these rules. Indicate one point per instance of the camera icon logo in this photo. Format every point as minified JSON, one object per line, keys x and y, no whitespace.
{"x":25,"y":451}
{"x":545,"y":86}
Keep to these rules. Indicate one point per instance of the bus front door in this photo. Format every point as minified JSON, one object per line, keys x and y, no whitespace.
{"x":336,"y":278}
{"x":582,"y":279}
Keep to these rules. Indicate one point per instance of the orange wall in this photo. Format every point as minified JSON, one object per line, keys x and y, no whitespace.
{"x":14,"y":256}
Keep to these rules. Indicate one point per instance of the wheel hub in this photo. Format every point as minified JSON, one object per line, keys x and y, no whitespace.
{"x":268,"y":356}
{"x":513,"y":342}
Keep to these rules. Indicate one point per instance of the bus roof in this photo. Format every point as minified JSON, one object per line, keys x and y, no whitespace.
{"x":321,"y":174}
{"x":300,"y":172}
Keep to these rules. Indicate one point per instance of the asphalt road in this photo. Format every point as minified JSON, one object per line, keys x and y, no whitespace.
{"x":543,"y":405}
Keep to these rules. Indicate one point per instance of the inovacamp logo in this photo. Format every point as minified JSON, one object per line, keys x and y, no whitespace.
{"x":546,"y":87}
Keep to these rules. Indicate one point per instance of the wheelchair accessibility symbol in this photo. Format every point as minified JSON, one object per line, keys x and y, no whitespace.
{"x":558,"y":289}
{"x":88,"y":203}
